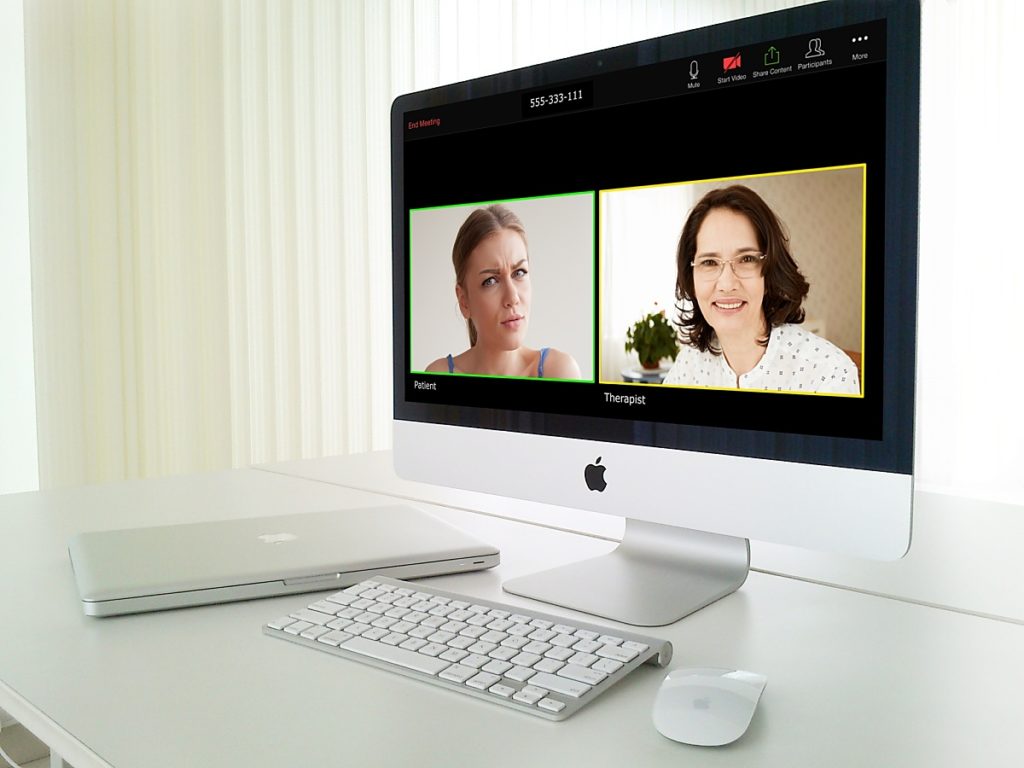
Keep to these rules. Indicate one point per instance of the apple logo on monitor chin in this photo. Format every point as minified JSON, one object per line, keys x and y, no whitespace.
{"x":594,"y":475}
{"x":277,"y":538}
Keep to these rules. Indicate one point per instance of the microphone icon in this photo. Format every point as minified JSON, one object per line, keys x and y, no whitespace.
{"x":694,"y":70}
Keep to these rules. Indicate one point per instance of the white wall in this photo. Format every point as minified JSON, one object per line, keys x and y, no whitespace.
{"x":19,"y":467}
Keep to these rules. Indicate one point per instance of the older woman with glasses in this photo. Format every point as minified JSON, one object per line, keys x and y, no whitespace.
{"x":740,"y":294}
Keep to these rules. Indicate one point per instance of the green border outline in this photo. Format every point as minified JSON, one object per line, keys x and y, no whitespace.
{"x":593,"y":296}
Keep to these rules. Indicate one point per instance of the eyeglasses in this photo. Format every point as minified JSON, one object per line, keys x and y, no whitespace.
{"x":744,"y":266}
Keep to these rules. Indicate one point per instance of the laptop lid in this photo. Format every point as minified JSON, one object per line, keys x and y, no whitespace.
{"x":171,"y":566}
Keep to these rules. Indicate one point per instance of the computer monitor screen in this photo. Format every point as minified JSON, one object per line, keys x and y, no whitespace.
{"x":673,"y":281}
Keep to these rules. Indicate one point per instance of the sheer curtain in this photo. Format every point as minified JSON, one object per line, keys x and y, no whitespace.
{"x":210,"y":219}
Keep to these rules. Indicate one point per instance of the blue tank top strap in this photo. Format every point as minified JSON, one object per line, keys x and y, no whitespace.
{"x":540,"y":365}
{"x":451,"y":365}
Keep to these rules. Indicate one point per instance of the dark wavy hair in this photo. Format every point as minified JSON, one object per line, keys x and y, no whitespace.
{"x":478,"y":226}
{"x":784,"y":287}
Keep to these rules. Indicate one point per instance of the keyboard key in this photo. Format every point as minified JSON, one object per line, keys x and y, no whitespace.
{"x":457,"y":673}
{"x":501,"y":690}
{"x":433,"y":649}
{"x":483,"y":681}
{"x":520,"y":674}
{"x":562,"y":685}
{"x":281,"y":623}
{"x":413,"y":644}
{"x":297,"y":627}
{"x":393,"y":655}
{"x":526,"y":659}
{"x":560,"y":654}
{"x":583,"y":659}
{"x":582,"y":674}
{"x":314,"y":632}
{"x":502,"y":653}
{"x":586,"y":646}
{"x":530,"y":694}
{"x":312,"y":617}
{"x":551,"y":705}
{"x":608,"y":666}
{"x":563,"y":629}
{"x":548,"y":665}
{"x":609,"y":639}
{"x":334,"y":638}
{"x":342,"y":599}
{"x":617,"y":652}
{"x":496,"y":667}
{"x":454,"y":654}
{"x":325,"y":606}
{"x":475,"y":660}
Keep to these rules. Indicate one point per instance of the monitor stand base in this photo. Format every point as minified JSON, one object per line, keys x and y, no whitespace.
{"x":656,"y":576}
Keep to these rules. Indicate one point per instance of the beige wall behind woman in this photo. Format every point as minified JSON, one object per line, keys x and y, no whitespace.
{"x":559,"y":233}
{"x":823,"y":214}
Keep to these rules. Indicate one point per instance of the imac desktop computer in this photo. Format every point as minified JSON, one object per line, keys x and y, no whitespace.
{"x":673,"y":281}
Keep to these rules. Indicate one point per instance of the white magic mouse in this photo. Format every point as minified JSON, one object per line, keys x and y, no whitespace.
{"x":707,"y":707}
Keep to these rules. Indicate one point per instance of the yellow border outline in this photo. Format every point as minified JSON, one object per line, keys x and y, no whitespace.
{"x":601,"y":193}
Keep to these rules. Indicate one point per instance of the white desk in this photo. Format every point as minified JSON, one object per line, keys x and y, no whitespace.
{"x":854,"y":680}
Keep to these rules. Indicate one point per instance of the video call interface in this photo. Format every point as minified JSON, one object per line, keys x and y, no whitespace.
{"x":703,"y":200}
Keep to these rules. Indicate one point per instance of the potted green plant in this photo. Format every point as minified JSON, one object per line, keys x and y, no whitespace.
{"x":653,"y":338}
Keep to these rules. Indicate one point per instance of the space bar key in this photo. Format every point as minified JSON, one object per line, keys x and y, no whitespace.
{"x":398,"y":656}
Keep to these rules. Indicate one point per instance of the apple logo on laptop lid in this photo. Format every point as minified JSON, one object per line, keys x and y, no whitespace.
{"x":276,"y":538}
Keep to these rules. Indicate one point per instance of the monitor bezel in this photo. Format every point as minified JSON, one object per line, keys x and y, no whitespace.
{"x":894,"y":451}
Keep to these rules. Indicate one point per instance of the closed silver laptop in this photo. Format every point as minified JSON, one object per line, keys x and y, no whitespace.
{"x":172,"y":566}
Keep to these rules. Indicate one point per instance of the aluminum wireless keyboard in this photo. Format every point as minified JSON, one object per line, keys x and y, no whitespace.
{"x":533,"y":662}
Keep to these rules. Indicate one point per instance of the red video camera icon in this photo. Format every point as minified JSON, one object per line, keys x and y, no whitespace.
{"x":732,"y":62}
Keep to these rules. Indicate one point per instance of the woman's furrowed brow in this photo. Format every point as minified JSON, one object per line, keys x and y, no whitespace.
{"x":497,"y":271}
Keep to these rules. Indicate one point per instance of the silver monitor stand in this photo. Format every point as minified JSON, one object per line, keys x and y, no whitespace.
{"x":656,"y":576}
